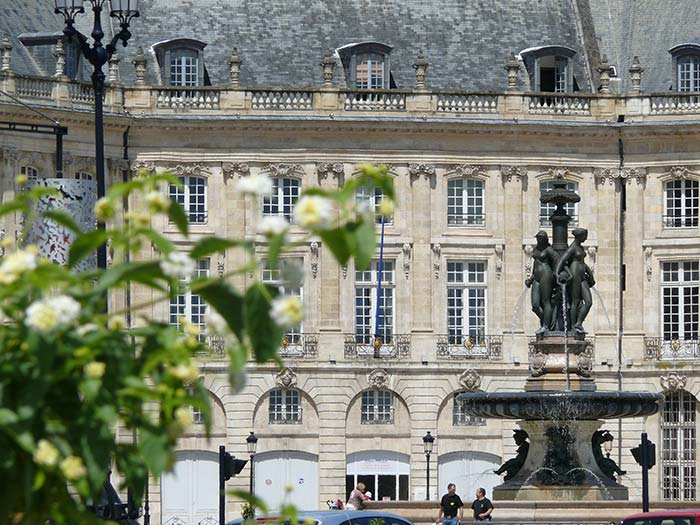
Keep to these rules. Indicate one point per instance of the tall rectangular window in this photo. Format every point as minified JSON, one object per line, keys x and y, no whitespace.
{"x":372,"y":198}
{"x":184,"y":68}
{"x":366,"y":303}
{"x":285,"y":194}
{"x":277,"y":278}
{"x":369,"y":73}
{"x":561,"y":67}
{"x":285,"y":406}
{"x":377,"y":407}
{"x":188,"y":305}
{"x":679,"y":289}
{"x":466,"y":302}
{"x":689,"y":73}
{"x":678,"y":447}
{"x":546,"y":209}
{"x":465,"y":202}
{"x":681,"y":204}
{"x":192,"y":196}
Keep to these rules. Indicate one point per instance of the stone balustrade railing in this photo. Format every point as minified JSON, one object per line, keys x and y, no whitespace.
{"x":331,"y":101}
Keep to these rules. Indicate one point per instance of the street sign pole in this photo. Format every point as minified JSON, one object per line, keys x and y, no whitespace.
{"x":222,"y":488}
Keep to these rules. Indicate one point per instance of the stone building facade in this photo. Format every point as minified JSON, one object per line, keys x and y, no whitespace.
{"x":469,"y":167}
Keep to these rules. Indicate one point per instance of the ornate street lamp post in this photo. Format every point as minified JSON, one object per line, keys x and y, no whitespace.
{"x":252,"y":442}
{"x":428,"y":449}
{"x":98,"y":55}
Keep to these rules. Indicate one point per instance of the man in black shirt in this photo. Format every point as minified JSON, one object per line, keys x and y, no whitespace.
{"x":482,"y":506}
{"x":450,"y":506}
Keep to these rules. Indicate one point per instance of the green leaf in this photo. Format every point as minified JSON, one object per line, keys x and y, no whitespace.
{"x":7,"y":417}
{"x":65,"y":220}
{"x":209,"y":245}
{"x":161,"y":243}
{"x":337,"y":242}
{"x":177,"y":215}
{"x":264,"y":334}
{"x":12,"y":206}
{"x":154,"y":449}
{"x":147,"y":273}
{"x":250,"y":499}
{"x":365,"y":245}
{"x":227,"y":301}
{"x":85,"y":244}
{"x":274,"y":248}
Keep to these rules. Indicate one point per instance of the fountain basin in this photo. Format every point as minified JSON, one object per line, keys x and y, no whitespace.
{"x":560,"y":405}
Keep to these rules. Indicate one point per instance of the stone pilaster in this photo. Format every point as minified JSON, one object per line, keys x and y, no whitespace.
{"x":421,"y":271}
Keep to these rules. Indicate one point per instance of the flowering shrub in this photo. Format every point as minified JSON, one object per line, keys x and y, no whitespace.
{"x":71,"y":373}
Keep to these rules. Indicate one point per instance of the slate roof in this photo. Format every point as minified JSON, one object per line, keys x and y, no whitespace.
{"x":282,"y":42}
{"x":648,"y":29}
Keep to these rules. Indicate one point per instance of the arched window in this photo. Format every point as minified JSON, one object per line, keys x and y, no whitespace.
{"x":681,"y":203}
{"x":83,"y":175}
{"x":367,"y":65}
{"x":285,"y":406}
{"x":30,"y":172}
{"x":465,"y":202}
{"x":182,"y":62}
{"x":686,"y":62}
{"x":551,"y":68}
{"x":460,"y":417}
{"x":377,"y":407}
{"x":679,"y":444}
{"x":546,"y":209}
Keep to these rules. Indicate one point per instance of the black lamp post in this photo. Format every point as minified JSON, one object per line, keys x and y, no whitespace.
{"x":428,"y":449}
{"x":252,"y":442}
{"x":98,"y":55}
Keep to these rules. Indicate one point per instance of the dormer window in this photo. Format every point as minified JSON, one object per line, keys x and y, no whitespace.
{"x":686,"y":61}
{"x":551,"y":68}
{"x":367,"y":65}
{"x":181,"y":62}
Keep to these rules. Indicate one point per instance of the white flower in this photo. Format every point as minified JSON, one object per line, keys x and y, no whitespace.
{"x":45,"y":454}
{"x":255,"y":184}
{"x":216,"y":324}
{"x":365,"y":207}
{"x":158,"y":202}
{"x":187,"y":373}
{"x":16,"y":263}
{"x":286,"y":311}
{"x":73,"y":468}
{"x":104,"y":209}
{"x":177,"y":265}
{"x":273,"y":225}
{"x":85,"y":329}
{"x":48,"y":314}
{"x":95,"y":369}
{"x":313,"y":211}
{"x":184,"y":417}
{"x":116,"y":323}
{"x":386,"y":207}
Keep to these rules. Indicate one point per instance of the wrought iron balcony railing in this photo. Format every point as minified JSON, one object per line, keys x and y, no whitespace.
{"x":379,"y":416}
{"x":287,"y":416}
{"x":470,"y":347}
{"x":299,"y":345}
{"x":671,"y":349}
{"x":680,"y":221}
{"x":393,"y":346}
{"x":466,"y":220}
{"x":294,"y":345}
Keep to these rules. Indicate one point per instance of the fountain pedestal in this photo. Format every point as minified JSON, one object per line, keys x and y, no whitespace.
{"x":551,"y":364}
{"x":560,"y":465}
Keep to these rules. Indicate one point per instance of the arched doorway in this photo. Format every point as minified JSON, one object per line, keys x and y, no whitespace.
{"x":277,"y":471}
{"x":468,"y":470}
{"x":190,"y":492}
{"x":384,"y":473}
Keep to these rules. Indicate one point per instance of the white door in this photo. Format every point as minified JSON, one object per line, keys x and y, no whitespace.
{"x":190,"y":492}
{"x":287,"y":477}
{"x":469,"y":471}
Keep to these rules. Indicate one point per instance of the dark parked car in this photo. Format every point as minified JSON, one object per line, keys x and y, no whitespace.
{"x":664,"y":517}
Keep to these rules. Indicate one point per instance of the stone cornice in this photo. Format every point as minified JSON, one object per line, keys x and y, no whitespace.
{"x":603,"y":176}
{"x":562,"y":173}
{"x":470,"y":171}
{"x":679,"y":173}
{"x":284,"y":170}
